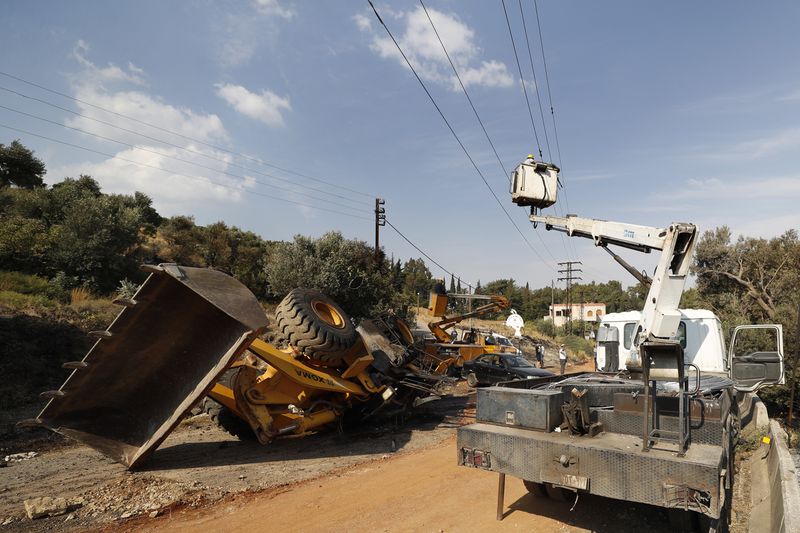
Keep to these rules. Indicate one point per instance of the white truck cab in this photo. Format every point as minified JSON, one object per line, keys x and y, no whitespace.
{"x":756,"y":353}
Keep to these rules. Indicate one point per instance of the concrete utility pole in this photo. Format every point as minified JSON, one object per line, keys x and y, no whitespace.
{"x":380,"y":221}
{"x":569,"y":276}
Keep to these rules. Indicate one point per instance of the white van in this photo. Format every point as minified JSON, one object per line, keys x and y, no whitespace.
{"x":700,"y":333}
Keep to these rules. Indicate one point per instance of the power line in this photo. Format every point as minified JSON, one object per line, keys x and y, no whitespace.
{"x":431,"y":259}
{"x":165,"y":130}
{"x":196,"y":178}
{"x":455,"y":135}
{"x":535,"y":81}
{"x":474,"y":110}
{"x":547,"y":80}
{"x":552,"y":110}
{"x":463,"y":88}
{"x":173,"y":145}
{"x":186,"y":161}
{"x":522,"y":79}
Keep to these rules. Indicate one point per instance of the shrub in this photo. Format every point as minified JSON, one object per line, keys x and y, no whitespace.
{"x":24,"y":283}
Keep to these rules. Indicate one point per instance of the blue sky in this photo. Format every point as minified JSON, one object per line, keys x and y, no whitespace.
{"x":680,"y":111}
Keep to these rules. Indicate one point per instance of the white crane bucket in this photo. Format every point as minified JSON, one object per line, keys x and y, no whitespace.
{"x":535,"y":184}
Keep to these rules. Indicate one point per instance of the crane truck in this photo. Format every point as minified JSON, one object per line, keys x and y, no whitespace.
{"x":663,"y":430}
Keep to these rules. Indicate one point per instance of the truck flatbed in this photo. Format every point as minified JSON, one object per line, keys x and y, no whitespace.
{"x":608,"y":464}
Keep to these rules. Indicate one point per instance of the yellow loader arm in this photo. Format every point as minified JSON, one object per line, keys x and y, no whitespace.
{"x":497,"y":303}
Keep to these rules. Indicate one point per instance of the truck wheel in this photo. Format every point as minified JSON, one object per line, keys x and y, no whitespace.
{"x":224,"y":417}
{"x":472,"y":380}
{"x":229,"y":422}
{"x":537,"y":489}
{"x":315,"y":325}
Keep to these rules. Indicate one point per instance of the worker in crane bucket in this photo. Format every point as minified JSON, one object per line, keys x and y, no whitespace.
{"x":530,"y":160}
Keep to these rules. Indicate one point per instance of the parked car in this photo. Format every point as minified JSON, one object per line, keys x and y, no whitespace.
{"x":496,"y":367}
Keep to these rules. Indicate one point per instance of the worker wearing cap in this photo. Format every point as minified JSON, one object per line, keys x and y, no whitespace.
{"x":562,"y":358}
{"x":530,"y":159}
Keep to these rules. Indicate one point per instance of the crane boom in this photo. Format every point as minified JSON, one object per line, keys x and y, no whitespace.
{"x":660,"y":316}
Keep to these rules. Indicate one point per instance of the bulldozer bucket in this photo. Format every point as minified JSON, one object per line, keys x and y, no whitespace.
{"x":159,"y":357}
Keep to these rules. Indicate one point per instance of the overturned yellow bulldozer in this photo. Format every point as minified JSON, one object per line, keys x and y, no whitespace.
{"x":191,"y":332}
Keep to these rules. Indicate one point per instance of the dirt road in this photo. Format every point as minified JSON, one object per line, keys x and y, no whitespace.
{"x":390,"y":478}
{"x":420,"y":490}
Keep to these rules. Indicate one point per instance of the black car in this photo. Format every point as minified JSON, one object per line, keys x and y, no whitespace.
{"x":496,"y":367}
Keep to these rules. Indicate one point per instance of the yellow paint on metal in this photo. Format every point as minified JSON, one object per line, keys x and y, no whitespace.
{"x":294,"y":369}
{"x":328,"y":314}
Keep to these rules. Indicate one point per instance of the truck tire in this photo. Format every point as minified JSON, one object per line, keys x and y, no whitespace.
{"x":226,"y":420}
{"x":472,"y":380}
{"x":537,"y":489}
{"x":315,"y":325}
{"x":224,"y":417}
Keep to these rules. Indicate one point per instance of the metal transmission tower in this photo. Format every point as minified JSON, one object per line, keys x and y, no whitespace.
{"x":569,"y":272}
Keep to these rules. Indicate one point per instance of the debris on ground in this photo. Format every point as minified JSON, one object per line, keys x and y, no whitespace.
{"x":17,"y":457}
{"x":45,"y":506}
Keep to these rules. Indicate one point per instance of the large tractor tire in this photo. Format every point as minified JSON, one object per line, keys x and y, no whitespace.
{"x":315,"y":325}
{"x":224,"y":417}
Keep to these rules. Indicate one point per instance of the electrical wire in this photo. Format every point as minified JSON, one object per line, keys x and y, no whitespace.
{"x":181,"y":160}
{"x":475,"y":111}
{"x":552,"y":110}
{"x":453,"y":132}
{"x":522,"y":79}
{"x":547,"y":80}
{"x":186,"y":137}
{"x":167,"y":143}
{"x":431,"y":259}
{"x":535,"y":81}
{"x":196,"y":178}
{"x":464,"y":89}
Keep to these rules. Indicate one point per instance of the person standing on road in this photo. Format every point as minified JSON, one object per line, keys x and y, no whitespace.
{"x":540,"y":355}
{"x":562,"y":358}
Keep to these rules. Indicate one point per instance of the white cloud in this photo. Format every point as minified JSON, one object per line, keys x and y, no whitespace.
{"x":781,"y":141}
{"x":273,"y":8}
{"x":419,"y":42}
{"x":240,"y":33}
{"x":175,"y":186}
{"x":363,"y":22}
{"x":265,"y":107}
{"x":111,"y":73}
{"x":744,"y":190}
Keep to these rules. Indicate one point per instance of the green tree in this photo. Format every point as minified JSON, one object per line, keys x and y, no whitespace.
{"x":341,"y":268}
{"x":19,"y":167}
{"x":417,"y":279}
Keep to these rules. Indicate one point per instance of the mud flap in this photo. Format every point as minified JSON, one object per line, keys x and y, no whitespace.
{"x":159,"y":357}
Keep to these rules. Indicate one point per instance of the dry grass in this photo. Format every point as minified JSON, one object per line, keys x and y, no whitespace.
{"x":79,"y":295}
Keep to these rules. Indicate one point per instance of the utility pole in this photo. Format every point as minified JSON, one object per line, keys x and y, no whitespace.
{"x":569,"y":276}
{"x":553,"y":304}
{"x":380,"y":221}
{"x":583,"y":320}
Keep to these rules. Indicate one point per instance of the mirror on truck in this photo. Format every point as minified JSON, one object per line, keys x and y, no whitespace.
{"x":756,"y":356}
